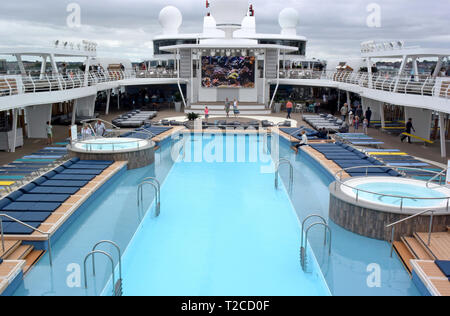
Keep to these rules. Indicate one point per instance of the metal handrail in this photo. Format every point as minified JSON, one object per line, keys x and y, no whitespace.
{"x":402,"y":198}
{"x":92,"y":253}
{"x":291,"y":173}
{"x":407,"y":219}
{"x":140,"y":194}
{"x":304,"y":247}
{"x":28,"y":226}
{"x":90,"y":145}
{"x":118,"y":250}
{"x":436,"y":176}
{"x":308,"y":217}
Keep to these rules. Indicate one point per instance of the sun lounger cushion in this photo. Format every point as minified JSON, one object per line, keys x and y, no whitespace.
{"x":14,"y":196}
{"x":83,"y":171}
{"x":55,"y":190}
{"x":75,"y":160}
{"x":74,"y":177}
{"x":86,"y":166}
{"x":33,"y":217}
{"x":39,"y":181}
{"x":62,"y":183}
{"x":18,"y":229}
{"x":4,"y":203}
{"x":67,"y":164}
{"x":32,"y":206}
{"x":444,"y":266}
{"x":49,"y":175}
{"x":58,"y":198}
{"x":28,"y":187}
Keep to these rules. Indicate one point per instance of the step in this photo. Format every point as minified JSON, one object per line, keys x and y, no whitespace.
{"x":10,"y":247}
{"x":405,"y":255}
{"x":416,"y":248}
{"x":32,"y":258}
{"x":440,"y":244}
{"x":21,"y":252}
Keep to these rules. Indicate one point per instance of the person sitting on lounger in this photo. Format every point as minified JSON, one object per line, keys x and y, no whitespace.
{"x":304,"y":142}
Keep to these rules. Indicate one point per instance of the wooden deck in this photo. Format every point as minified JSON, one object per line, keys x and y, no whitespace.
{"x":432,"y":277}
{"x":440,"y":244}
{"x":63,"y":213}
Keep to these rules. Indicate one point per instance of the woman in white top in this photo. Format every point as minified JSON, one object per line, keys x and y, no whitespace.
{"x":303,"y":142}
{"x":86,"y":132}
{"x":235,"y":108}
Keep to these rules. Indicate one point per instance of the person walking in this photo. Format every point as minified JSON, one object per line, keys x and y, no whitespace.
{"x":49,"y":129}
{"x":344,"y":112}
{"x":235,"y":108}
{"x":100,"y":129}
{"x":408,"y":130}
{"x":206,"y":114}
{"x":289,"y":107}
{"x":368,"y":116}
{"x":227,"y":107}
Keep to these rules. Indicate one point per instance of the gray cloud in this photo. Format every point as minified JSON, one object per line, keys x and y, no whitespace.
{"x":125,"y":28}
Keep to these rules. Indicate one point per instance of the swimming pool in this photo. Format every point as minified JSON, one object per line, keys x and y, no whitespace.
{"x":112,"y":216}
{"x":216,"y":236}
{"x":389,"y":190}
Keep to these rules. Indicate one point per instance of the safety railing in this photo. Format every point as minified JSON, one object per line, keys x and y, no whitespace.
{"x":439,"y":177}
{"x":49,"y":245}
{"x":402,"y":198}
{"x":278,"y":164}
{"x":393,"y":225}
{"x":140,"y":196}
{"x":304,"y":238}
{"x":95,"y":144}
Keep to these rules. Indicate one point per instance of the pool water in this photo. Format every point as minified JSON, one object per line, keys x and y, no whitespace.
{"x":111,"y":144}
{"x":411,"y":191}
{"x":113,"y":216}
{"x":216,"y":235}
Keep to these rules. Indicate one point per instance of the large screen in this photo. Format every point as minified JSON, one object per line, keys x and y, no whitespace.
{"x":228,"y":72}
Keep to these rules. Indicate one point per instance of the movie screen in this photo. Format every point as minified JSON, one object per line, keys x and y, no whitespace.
{"x":228,"y":72}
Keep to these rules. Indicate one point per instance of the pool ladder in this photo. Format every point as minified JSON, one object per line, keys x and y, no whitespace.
{"x":140,"y":195}
{"x":117,"y":286}
{"x":304,"y":239}
{"x":278,"y":164}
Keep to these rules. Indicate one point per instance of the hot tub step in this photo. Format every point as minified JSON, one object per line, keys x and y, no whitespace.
{"x":416,"y":248}
{"x":404,"y":254}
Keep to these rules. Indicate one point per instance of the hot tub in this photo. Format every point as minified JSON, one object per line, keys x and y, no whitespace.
{"x":397,"y":192}
{"x":138,"y":152}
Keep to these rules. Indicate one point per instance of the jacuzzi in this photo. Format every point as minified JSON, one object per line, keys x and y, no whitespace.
{"x":111,"y":144}
{"x":138,"y":152}
{"x":397,"y":192}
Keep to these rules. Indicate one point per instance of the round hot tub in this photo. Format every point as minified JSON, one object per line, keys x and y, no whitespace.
{"x":366,"y":205}
{"x":138,"y":152}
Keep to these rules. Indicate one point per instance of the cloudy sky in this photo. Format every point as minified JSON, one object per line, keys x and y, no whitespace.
{"x":124,"y":28}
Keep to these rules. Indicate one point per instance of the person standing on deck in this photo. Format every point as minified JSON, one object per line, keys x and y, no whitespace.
{"x":409,"y":129}
{"x":206,"y":113}
{"x":368,"y":116}
{"x":289,"y":107}
{"x":235,"y":108}
{"x":49,"y":129}
{"x":227,"y":107}
{"x":344,"y":112}
{"x":100,"y":129}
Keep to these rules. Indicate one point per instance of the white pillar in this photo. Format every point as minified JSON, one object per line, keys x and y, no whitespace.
{"x":381,"y":109}
{"x":43,"y":66}
{"x":108,"y":100}
{"x":369,"y":71}
{"x":20,"y":63}
{"x":86,"y":72}
{"x":443,"y":136}
{"x":400,"y":71}
{"x":415,"y":69}
{"x":54,"y":66}
{"x":74,"y":111}
{"x":438,"y":67}
{"x":349,"y":101}
{"x":15,"y":118}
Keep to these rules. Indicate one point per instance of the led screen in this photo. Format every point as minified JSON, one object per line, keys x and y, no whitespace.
{"x":228,"y":72}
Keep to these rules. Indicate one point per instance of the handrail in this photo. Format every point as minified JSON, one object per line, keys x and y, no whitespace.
{"x":28,"y":226}
{"x":338,"y":177}
{"x":291,"y":173}
{"x":393,"y":225}
{"x":304,"y":247}
{"x":118,"y":250}
{"x":140,"y":195}
{"x":92,"y":253}
{"x":308,"y":217}
{"x":436,"y":176}
{"x":103,"y":121}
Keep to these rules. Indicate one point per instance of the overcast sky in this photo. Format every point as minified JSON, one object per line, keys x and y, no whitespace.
{"x":124,"y":28}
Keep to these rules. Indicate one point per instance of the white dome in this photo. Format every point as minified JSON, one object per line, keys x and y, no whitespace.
{"x":229,"y":12}
{"x":170,"y":19}
{"x":289,"y":18}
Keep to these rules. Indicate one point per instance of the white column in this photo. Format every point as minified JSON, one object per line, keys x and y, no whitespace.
{"x":15,"y":118}
{"x":118,"y":99}
{"x":400,"y":71}
{"x":43,"y":66}
{"x":443,"y":136}
{"x":349,"y":101}
{"x":54,"y":66}
{"x":369,"y":72}
{"x":74,"y":111}
{"x":415,"y":69}
{"x":381,"y":109}
{"x":108,"y":100}
{"x":438,"y":67}
{"x":20,"y":63}
{"x":86,"y":72}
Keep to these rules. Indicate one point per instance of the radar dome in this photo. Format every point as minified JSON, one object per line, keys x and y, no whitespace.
{"x":288,"y":18}
{"x":170,"y":19}
{"x":229,"y":12}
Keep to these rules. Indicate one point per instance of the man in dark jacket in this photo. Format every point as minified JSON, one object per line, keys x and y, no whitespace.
{"x":409,"y":128}
{"x":368,"y":116}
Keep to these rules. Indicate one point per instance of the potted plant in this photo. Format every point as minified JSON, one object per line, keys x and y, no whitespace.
{"x":278,"y":104}
{"x":192,"y":116}
{"x":177,"y":99}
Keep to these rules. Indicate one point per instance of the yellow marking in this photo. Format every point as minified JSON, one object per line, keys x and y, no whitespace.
{"x":419,"y":138}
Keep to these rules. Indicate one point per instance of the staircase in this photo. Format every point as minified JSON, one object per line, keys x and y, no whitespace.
{"x":416,"y":248}
{"x":217,"y":109}
{"x":445,"y":86}
{"x":16,"y":251}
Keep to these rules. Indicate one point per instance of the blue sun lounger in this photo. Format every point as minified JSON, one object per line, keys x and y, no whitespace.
{"x":31,"y":207}
{"x":55,"y":190}
{"x":27,"y":217}
{"x":18,"y":229}
{"x":54,"y":198}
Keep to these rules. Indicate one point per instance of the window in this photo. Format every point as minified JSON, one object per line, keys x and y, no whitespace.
{"x":301,"y":45}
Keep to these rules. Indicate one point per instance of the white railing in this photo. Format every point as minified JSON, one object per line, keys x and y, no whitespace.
{"x":405,"y":84}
